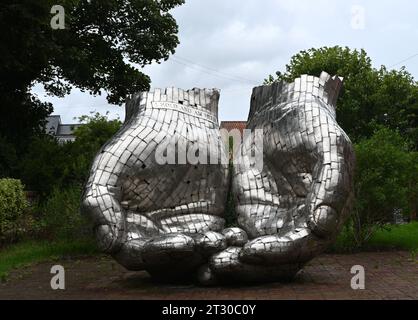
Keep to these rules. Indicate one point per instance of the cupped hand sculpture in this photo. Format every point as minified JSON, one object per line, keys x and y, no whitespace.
{"x":293,"y":203}
{"x":157,"y":190}
{"x":155,"y":203}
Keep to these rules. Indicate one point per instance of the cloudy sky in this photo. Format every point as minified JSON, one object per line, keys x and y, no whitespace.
{"x":234,"y":44}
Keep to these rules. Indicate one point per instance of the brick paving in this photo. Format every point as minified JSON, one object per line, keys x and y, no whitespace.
{"x":389,"y":275}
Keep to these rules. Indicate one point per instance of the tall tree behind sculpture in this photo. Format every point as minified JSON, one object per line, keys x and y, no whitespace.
{"x":92,"y":53}
{"x":370,"y":97}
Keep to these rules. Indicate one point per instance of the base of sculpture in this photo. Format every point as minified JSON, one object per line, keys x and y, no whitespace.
{"x":203,"y":276}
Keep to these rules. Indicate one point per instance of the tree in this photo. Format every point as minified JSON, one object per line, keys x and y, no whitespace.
{"x":49,"y":165}
{"x":413,"y":186}
{"x":103,"y":44}
{"x":386,"y":180}
{"x":23,"y":116}
{"x":96,"y":130}
{"x":371,"y":97}
{"x":8,"y":158}
{"x":44,"y":165}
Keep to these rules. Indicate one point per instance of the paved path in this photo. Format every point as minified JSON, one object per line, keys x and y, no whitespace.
{"x":389,"y":275}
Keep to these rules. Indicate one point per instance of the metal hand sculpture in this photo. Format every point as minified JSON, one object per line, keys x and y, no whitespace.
{"x":163,"y":218}
{"x":294,"y":204}
{"x":167,"y":218}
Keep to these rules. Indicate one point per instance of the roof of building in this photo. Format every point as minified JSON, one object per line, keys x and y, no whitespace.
{"x":231,"y":125}
{"x":58,"y":129}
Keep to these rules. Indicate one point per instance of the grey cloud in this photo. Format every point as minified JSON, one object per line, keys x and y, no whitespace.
{"x":247,"y":40}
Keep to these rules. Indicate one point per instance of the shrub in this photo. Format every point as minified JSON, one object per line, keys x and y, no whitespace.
{"x":95,"y":131}
{"x":44,"y":166}
{"x":13,"y":209}
{"x":49,"y":164}
{"x":345,"y":241}
{"x":61,"y":218}
{"x":8,"y":158}
{"x":384,"y":176}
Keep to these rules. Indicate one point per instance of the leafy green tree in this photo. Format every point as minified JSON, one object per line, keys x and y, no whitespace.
{"x":22,"y":117}
{"x":413,"y":186}
{"x":102,"y":46}
{"x":58,"y":171}
{"x":96,"y":130}
{"x":371,"y":97}
{"x":49,"y":165}
{"x":385,"y":172}
{"x":8,"y":158}
{"x":45,"y":165}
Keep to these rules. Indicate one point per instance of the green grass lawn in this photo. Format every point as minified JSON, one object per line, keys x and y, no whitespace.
{"x":401,"y":237}
{"x":26,"y":253}
{"x":397,"y":237}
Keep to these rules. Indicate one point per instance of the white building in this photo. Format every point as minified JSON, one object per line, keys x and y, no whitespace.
{"x":62,"y":132}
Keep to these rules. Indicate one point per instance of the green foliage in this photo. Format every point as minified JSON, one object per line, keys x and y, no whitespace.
{"x":403,"y":237}
{"x":385,"y":181}
{"x":8,"y":158}
{"x":413,"y":186}
{"x":382,"y":172}
{"x":12,"y":210}
{"x":45,"y":165}
{"x":371,"y":97}
{"x":48,"y":164}
{"x":378,"y":110}
{"x":96,"y":130}
{"x":58,"y":172}
{"x":29,"y":252}
{"x":345,"y":242}
{"x":93,"y":52}
{"x":60,"y":215}
{"x":102,"y":48}
{"x":23,"y":117}
{"x":389,"y":237}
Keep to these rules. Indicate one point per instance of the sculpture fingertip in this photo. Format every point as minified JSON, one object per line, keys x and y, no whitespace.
{"x":106,"y":239}
{"x":324,"y":221}
{"x":235,"y":237}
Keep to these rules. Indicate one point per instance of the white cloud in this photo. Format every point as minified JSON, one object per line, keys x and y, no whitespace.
{"x":235,"y":44}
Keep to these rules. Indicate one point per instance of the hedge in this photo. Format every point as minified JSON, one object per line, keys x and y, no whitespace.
{"x":13,"y":206}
